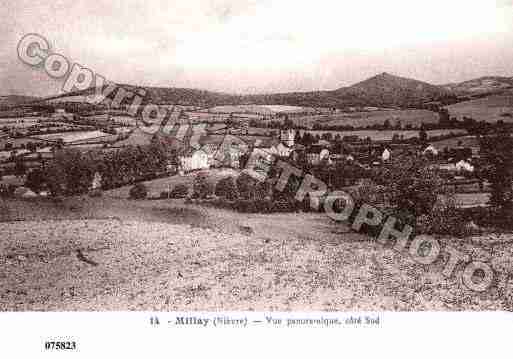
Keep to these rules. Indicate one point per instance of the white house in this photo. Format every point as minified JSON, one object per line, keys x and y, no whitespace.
{"x":195,"y":160}
{"x":464,"y":166}
{"x":430,"y":150}
{"x":283,"y":151}
{"x":385,"y":156}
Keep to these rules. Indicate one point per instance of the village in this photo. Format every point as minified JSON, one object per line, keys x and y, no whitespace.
{"x":31,"y":141}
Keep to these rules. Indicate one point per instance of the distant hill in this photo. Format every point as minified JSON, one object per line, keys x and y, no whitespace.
{"x":12,"y":100}
{"x":490,"y":108}
{"x":389,"y":90}
{"x":481,"y":86}
{"x":383,"y":90}
{"x":157,"y":95}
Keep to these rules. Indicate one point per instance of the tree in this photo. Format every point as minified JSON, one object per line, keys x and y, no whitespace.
{"x":139,"y":191}
{"x":31,"y":146}
{"x":19,"y":167}
{"x":230,"y":122}
{"x":327,"y":136}
{"x":497,"y":153}
{"x":35,"y":180}
{"x":288,"y":123}
{"x":251,"y":189}
{"x":443,"y":118}
{"x":410,"y":185}
{"x":71,"y":172}
{"x":226,"y":188}
{"x":180,"y":191}
{"x":202,"y":188}
{"x":423,"y":137}
{"x":245,"y":183}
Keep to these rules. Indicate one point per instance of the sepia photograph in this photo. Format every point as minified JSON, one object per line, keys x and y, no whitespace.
{"x":256,"y":156}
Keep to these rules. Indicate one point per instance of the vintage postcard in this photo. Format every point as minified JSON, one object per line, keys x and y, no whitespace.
{"x":195,"y":165}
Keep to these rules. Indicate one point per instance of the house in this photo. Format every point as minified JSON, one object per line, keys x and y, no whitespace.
{"x":230,"y":151}
{"x":282,"y":151}
{"x":193,"y":160}
{"x":298,"y":152}
{"x":62,"y":115}
{"x":385,"y":156}
{"x":322,"y":143}
{"x":232,"y":156}
{"x":449,"y":167}
{"x":315,"y":154}
{"x":211,"y":150}
{"x":431,"y":150}
{"x":259,"y":163}
{"x":464,"y":166}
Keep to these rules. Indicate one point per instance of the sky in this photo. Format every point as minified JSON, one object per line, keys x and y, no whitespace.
{"x":259,"y":46}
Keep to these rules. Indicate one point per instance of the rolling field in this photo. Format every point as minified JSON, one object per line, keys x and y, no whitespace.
{"x":73,"y":136}
{"x":259,"y":109}
{"x":411,"y":117}
{"x":464,"y":141}
{"x":489,"y":109}
{"x":20,"y":122}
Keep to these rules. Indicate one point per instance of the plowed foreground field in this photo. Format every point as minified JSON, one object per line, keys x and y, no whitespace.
{"x":115,"y":254}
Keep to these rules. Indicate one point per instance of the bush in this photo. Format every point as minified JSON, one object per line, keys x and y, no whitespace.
{"x":444,"y":219}
{"x":35,"y":180}
{"x":226,"y":188}
{"x":202,"y":188}
{"x":97,"y":192}
{"x":7,"y":191}
{"x":165,"y":194}
{"x":180,"y":191}
{"x":252,"y":189}
{"x":409,"y":185}
{"x":264,"y":206}
{"x":488,"y":217}
{"x":139,"y":191}
{"x":71,"y":172}
{"x":244,"y":185}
